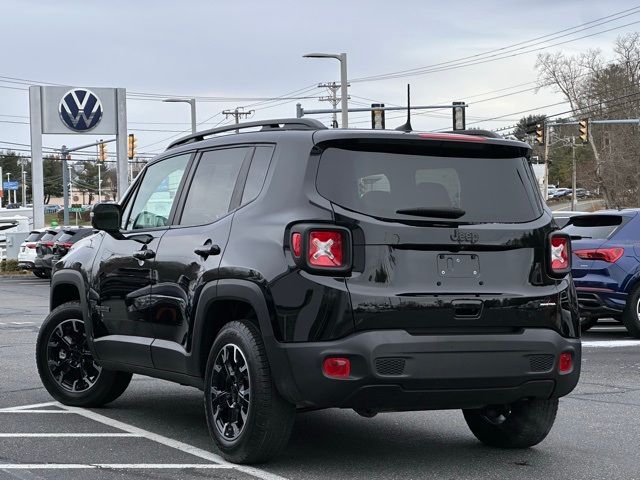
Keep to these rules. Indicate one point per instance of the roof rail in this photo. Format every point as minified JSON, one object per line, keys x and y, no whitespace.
{"x":277,"y":124}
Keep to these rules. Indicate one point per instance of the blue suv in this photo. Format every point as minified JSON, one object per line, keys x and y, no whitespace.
{"x":606,"y":266}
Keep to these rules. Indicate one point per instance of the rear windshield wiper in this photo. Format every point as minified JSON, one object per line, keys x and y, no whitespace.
{"x":436,"y":212}
{"x":578,"y":237}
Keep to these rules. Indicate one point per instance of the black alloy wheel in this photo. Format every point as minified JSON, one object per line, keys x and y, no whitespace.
{"x":230,"y":392}
{"x":70,"y":362}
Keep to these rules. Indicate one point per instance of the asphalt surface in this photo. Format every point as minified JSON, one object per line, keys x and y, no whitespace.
{"x":157,"y":429}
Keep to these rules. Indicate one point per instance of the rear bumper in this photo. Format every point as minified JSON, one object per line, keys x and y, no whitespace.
{"x":393,"y":370}
{"x":598,"y":303}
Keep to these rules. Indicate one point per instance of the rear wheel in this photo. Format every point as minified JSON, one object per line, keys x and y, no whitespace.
{"x":247,"y":419}
{"x":40,"y":273}
{"x":66,"y":366}
{"x":631,"y":314}
{"x":522,"y":424}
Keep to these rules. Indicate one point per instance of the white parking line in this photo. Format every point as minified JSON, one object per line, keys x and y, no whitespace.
{"x":611,"y":343}
{"x":217,"y":462}
{"x":169,"y":442}
{"x":79,"y":466}
{"x":65,"y":435}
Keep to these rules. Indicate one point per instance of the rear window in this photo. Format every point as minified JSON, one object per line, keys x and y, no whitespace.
{"x":47,"y":236}
{"x":34,"y":236}
{"x":594,"y":226}
{"x":66,"y":236}
{"x":380,"y":183}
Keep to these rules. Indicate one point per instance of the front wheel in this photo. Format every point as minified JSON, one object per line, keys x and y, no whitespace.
{"x":247,"y":418}
{"x":522,"y":424}
{"x":40,"y":273}
{"x":66,"y":366}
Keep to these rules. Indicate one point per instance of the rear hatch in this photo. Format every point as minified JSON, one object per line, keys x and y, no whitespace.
{"x":591,"y":242}
{"x":446,"y":234}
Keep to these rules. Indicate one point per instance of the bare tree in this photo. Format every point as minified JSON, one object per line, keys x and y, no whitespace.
{"x":600,"y":89}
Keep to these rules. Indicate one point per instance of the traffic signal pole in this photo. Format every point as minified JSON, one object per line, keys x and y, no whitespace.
{"x":545,"y":182}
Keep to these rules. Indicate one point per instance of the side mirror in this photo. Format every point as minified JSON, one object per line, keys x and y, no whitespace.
{"x":106,"y":216}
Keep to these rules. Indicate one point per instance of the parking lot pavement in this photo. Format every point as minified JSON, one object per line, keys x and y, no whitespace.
{"x":157,"y":429}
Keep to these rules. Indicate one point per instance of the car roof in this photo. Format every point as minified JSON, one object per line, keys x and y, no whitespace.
{"x":279,"y":129}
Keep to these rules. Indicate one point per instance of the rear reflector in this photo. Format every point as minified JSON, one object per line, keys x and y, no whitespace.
{"x":296,"y":244}
{"x":565,"y":362}
{"x":325,"y":248}
{"x":560,"y":257}
{"x":336,"y":367}
{"x":610,"y":255}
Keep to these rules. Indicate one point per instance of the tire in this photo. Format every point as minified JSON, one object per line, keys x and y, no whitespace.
{"x":62,"y":349}
{"x":40,"y":273}
{"x":250,"y":422}
{"x":522,"y":424}
{"x":631,"y":314}
{"x":587,"y":322}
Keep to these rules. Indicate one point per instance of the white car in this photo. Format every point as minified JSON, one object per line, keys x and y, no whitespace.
{"x":27,"y":254}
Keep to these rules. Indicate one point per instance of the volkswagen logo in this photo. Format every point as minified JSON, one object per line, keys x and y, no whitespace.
{"x":80,"y":109}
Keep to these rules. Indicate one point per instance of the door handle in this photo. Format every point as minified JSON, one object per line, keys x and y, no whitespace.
{"x":145,"y":254}
{"x":207,"y":249}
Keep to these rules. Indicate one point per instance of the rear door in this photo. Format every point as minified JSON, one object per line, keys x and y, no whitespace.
{"x":189,"y":253}
{"x":439,"y":241}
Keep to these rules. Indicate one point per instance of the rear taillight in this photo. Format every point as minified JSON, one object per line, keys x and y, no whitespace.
{"x":565,"y":362}
{"x":610,"y":255}
{"x":321,"y":248}
{"x":336,"y":367}
{"x":325,"y":248}
{"x":559,"y":254}
{"x":65,"y":245}
{"x":30,"y":245}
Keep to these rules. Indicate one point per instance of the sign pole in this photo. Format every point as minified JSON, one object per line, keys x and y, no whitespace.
{"x":121,"y":143}
{"x":37,"y":173}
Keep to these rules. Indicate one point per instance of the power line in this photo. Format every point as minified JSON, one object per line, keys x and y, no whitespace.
{"x":508,"y":49}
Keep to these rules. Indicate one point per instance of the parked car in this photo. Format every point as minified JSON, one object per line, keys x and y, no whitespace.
{"x":44,"y":251}
{"x":562,"y":192}
{"x":27,"y":254}
{"x":582,"y":192}
{"x":52,"y":208}
{"x":67,"y":239}
{"x":300,"y":267}
{"x":562,"y":217}
{"x":606,"y":266}
{"x":12,"y":206}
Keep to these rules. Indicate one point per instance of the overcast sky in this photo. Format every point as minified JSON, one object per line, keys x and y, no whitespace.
{"x":250,"y":48}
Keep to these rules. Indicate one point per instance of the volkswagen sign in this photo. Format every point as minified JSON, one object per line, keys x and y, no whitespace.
{"x":80,"y":109}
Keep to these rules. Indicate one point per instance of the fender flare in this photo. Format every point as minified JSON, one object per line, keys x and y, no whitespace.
{"x":74,"y":278}
{"x":251,"y":293}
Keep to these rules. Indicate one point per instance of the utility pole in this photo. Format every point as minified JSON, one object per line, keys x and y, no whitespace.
{"x":545,"y":183}
{"x":333,"y":99}
{"x":65,"y":185}
{"x":236,"y":113}
{"x":99,"y":183}
{"x":23,"y":176}
{"x":574,"y":198}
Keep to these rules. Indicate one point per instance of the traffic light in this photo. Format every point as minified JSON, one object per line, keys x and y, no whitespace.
{"x":102,"y":151}
{"x":131,"y":146}
{"x":583,"y":128}
{"x":540,"y":134}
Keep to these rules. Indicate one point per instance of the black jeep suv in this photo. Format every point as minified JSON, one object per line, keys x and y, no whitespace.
{"x":297,"y":267}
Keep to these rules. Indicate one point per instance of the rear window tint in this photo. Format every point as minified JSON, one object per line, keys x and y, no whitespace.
{"x":594,"y":226}
{"x":47,"y":236}
{"x":380,"y":183}
{"x":34,"y":237}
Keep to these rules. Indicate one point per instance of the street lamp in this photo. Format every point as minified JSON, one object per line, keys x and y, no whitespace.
{"x":342,"y":57}
{"x":190,"y":101}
